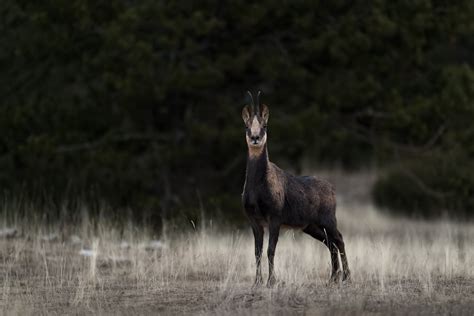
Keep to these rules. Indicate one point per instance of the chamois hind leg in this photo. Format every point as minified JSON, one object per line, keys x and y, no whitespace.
{"x":319,"y":234}
{"x":337,"y":242}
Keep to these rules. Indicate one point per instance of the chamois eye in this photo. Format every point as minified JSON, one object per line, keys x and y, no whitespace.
{"x":265,"y":126}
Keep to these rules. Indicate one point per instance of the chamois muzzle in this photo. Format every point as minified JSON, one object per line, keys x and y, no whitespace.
{"x":255,"y":139}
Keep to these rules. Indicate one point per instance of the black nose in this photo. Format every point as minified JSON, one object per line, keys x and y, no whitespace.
{"x":254,"y":138}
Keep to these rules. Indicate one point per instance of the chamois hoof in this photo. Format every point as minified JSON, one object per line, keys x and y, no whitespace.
{"x":346,"y":279}
{"x":258,"y":282}
{"x":336,"y":278}
{"x":271,"y":282}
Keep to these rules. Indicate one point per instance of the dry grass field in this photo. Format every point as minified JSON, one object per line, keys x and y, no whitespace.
{"x":398,"y":267}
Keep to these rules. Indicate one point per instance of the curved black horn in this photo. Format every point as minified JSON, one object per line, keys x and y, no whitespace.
{"x":251,"y":98}
{"x":258,"y":101}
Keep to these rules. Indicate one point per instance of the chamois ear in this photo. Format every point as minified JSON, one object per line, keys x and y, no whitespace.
{"x":265,"y":113}
{"x":246,"y":113}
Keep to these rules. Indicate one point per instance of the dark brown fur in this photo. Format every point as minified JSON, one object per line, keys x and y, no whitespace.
{"x":274,"y":198}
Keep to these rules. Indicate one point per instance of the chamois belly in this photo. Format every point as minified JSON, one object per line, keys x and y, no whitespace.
{"x":297,"y":208}
{"x":296,"y":215}
{"x":286,"y":223}
{"x":299,"y":213}
{"x":296,"y":220}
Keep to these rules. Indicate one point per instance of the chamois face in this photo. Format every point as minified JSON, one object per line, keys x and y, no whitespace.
{"x":255,"y":127}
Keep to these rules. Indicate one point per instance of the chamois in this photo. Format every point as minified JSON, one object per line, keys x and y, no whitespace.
{"x":274,"y":198}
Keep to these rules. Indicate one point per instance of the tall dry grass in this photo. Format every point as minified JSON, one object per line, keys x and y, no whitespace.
{"x":99,"y":266}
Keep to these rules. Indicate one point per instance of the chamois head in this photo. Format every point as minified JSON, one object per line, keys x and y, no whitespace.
{"x":255,"y":120}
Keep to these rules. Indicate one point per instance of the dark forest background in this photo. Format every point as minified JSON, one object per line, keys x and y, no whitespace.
{"x":137,"y":104}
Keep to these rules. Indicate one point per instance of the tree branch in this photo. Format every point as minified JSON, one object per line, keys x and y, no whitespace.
{"x":108,"y":140}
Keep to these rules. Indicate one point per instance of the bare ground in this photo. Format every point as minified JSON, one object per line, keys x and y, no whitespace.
{"x":121,"y":296}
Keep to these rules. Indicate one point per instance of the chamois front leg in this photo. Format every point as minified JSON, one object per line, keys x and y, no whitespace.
{"x":274,"y":230}
{"x":258,"y":236}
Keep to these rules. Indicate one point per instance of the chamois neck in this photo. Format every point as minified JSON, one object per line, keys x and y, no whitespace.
{"x":257,"y":165}
{"x":260,"y":154}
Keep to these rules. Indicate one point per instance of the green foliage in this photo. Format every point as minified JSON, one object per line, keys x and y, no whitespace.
{"x":140,"y":102}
